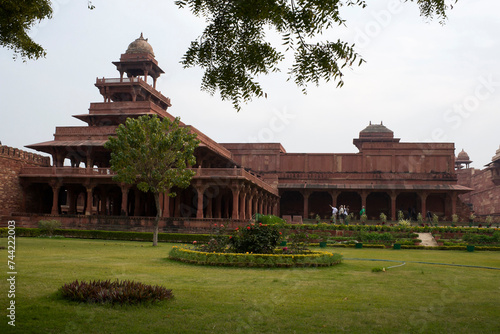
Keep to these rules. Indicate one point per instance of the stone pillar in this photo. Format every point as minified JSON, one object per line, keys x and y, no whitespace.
{"x":124,"y":188}
{"x":423,"y":199}
{"x":453,"y":203}
{"x":236,"y":201}
{"x":55,"y":198}
{"x":243,"y":204}
{"x":260,"y":204}
{"x":89,"y":202}
{"x":334,"y":195}
{"x":364,"y":195}
{"x":199,"y":206}
{"x":394,"y":196}
{"x":249,"y":205}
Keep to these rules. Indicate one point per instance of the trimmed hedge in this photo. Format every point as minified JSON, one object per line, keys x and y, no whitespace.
{"x":310,"y":259}
{"x":478,"y":248}
{"x":111,"y":235}
{"x":388,"y":228}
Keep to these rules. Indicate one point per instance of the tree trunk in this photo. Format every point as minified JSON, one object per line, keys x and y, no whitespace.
{"x":157,"y":219}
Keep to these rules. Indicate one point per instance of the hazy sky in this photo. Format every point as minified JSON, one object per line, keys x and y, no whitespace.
{"x":425,"y":81}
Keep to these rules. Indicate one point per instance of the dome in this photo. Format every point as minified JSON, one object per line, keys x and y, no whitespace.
{"x":463,"y":157}
{"x":376,"y":128}
{"x":140,"y":45}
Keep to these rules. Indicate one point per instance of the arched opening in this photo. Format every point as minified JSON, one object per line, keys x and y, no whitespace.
{"x":39,"y":198}
{"x":377,"y":203}
{"x":292,"y":204}
{"x":436,"y":204}
{"x":185,"y":204}
{"x":410,"y":204}
{"x":350,"y":199}
{"x":319,"y":204}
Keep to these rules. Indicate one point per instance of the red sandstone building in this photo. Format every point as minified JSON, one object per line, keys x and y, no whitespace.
{"x":484,"y":199}
{"x":232,"y":181}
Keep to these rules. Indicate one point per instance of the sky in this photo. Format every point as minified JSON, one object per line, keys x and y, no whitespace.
{"x":425,"y":81}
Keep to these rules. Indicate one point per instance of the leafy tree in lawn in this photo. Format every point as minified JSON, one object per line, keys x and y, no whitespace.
{"x":154,"y":155}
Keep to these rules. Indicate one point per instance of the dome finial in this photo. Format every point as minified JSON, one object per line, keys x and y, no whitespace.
{"x":140,"y":45}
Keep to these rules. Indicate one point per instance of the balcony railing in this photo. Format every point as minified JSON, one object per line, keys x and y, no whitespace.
{"x":201,"y":173}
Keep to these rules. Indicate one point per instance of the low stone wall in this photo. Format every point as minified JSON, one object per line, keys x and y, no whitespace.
{"x":113,"y":223}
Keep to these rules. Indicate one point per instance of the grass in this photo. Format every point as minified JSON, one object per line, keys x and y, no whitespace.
{"x":415,"y":298}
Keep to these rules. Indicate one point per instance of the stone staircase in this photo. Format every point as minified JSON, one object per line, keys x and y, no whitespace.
{"x":427,"y":239}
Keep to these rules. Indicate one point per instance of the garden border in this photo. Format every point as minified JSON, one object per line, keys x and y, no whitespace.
{"x":312,"y":259}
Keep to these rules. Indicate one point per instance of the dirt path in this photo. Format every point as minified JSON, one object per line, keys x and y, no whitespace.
{"x":427,"y":239}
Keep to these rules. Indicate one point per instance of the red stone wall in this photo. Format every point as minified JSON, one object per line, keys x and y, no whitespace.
{"x":485,"y":198}
{"x":11,"y":162}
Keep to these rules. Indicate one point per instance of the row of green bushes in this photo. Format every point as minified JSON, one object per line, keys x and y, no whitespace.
{"x":387,"y":228}
{"x":311,"y":259}
{"x":481,"y":238}
{"x":110,"y":235}
{"x":456,"y":247}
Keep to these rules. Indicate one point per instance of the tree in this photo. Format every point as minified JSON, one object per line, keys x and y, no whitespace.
{"x":16,"y":19}
{"x":233,"y":49}
{"x":154,"y":155}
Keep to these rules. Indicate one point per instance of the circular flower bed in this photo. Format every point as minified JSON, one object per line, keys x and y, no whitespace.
{"x":308,"y":259}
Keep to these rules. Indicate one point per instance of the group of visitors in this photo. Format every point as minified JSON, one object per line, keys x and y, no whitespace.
{"x":342,"y":212}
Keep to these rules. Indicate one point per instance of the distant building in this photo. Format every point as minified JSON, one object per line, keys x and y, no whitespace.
{"x":484,"y":199}
{"x":233,"y":180}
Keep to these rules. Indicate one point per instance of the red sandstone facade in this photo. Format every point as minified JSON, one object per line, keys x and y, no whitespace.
{"x":12,"y":160}
{"x":484,"y":199}
{"x":232,"y":181}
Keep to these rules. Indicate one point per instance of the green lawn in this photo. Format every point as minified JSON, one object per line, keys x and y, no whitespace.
{"x":415,"y":298}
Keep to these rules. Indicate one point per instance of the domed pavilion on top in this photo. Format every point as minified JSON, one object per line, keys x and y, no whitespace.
{"x":462,"y":159}
{"x":233,"y":181}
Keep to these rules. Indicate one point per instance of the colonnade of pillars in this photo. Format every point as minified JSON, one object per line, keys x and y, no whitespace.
{"x":246,"y":201}
{"x":392,"y":194}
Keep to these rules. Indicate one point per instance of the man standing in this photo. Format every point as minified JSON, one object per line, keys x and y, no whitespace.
{"x":334,"y":214}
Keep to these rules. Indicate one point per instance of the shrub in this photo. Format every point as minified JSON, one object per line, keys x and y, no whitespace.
{"x":401,"y":215}
{"x":269,"y":219}
{"x":47,"y":227}
{"x":218,"y":242}
{"x":404,"y":223}
{"x":298,"y":242}
{"x":363,"y":218}
{"x":255,"y":238}
{"x":309,"y":259}
{"x":383,"y":217}
{"x":375,"y":236}
{"x":117,"y":292}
